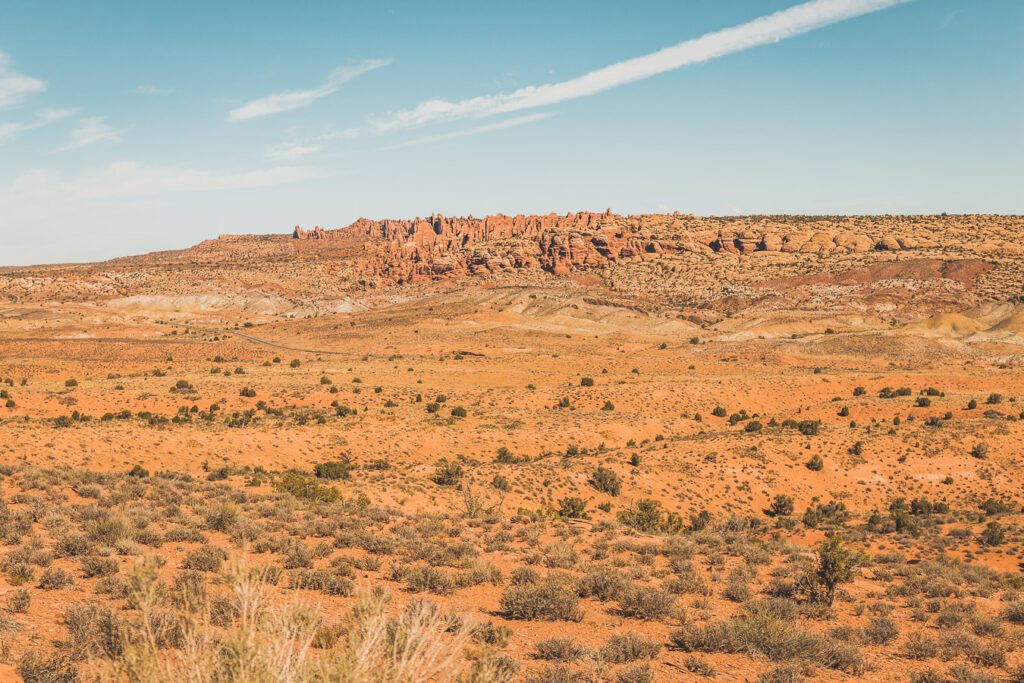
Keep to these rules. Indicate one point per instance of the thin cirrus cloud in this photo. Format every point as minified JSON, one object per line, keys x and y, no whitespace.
{"x":10,"y":131}
{"x":15,"y":87}
{"x":290,"y":100}
{"x":91,"y":131}
{"x":478,"y":130}
{"x":295,"y":148}
{"x":771,"y":28}
{"x":150,"y":89}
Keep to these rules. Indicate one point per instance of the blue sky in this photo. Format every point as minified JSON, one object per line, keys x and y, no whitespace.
{"x":128,"y":127}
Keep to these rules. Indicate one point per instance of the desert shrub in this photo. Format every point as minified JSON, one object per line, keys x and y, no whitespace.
{"x":55,"y":578}
{"x":994,"y":534}
{"x":18,"y":572}
{"x":699,"y":666}
{"x":881,"y":630}
{"x":93,"y":566}
{"x":920,"y":646}
{"x":207,"y":558}
{"x":547,"y":600}
{"x":521,"y":576}
{"x":424,"y":578}
{"x":307,"y":488}
{"x":298,"y":556}
{"x":647,"y":515}
{"x":109,"y":529}
{"x":573,"y":507}
{"x":826,"y":515}
{"x":93,"y":629}
{"x":447,"y":473}
{"x":560,"y":555}
{"x":786,"y":673}
{"x":629,"y":647}
{"x":491,"y":667}
{"x":320,"y":580}
{"x":1013,"y":612}
{"x":37,"y":666}
{"x":189,"y":590}
{"x":221,"y":516}
{"x":559,"y":650}
{"x":488,"y":633}
{"x":558,"y":674}
{"x":815,"y":464}
{"x":781,"y":506}
{"x":761,"y":633}
{"x":333,"y":469}
{"x":636,"y":673}
{"x":507,"y":457}
{"x":646,"y":603}
{"x":737,"y":588}
{"x":606,"y":481}
{"x":480,"y":571}
{"x":602,"y":583}
{"x":835,"y":564}
{"x":19,"y":600}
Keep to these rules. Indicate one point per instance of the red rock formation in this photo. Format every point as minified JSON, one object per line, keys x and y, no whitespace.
{"x":316,"y":233}
{"x":404,"y":251}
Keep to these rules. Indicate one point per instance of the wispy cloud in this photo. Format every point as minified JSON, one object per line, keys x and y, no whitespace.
{"x":10,"y":131}
{"x":41,"y":194}
{"x":150,"y":89}
{"x":771,"y":28}
{"x":950,"y":16}
{"x":296,"y":99}
{"x":296,"y":147}
{"x":501,"y":125}
{"x":91,"y":131}
{"x":15,"y":87}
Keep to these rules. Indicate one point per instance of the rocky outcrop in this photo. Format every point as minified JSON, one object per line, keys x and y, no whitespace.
{"x":806,"y":242}
{"x":405,"y":251}
{"x":317,"y":233}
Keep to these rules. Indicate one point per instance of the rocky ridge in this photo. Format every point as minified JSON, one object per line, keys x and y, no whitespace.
{"x":404,"y":251}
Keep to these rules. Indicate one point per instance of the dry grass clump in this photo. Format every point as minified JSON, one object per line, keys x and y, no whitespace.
{"x":763,"y":630}
{"x":263,"y":641}
{"x":549,"y":599}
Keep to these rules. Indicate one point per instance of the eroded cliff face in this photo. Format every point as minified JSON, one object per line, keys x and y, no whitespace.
{"x":404,"y":251}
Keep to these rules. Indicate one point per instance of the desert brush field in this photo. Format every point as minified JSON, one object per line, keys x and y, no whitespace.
{"x":554,"y":449}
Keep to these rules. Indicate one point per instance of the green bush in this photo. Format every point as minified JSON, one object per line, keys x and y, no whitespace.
{"x":573,"y":507}
{"x":307,"y":488}
{"x":447,"y":473}
{"x":647,"y":515}
{"x":333,"y":469}
{"x":606,"y":481}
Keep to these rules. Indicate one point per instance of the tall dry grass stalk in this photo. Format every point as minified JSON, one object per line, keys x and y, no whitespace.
{"x":273,"y":643}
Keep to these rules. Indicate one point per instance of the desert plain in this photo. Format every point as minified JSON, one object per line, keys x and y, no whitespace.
{"x":582,"y":447}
